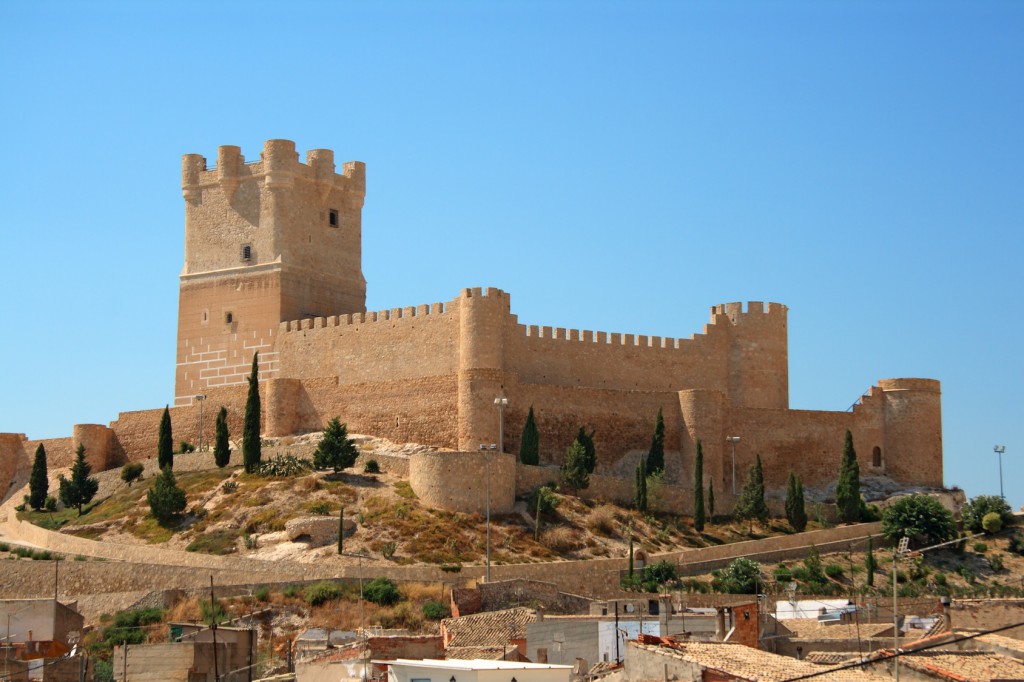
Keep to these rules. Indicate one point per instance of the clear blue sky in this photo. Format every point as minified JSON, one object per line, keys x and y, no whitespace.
{"x":615,"y":166}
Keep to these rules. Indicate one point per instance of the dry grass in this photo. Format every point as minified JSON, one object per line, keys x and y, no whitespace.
{"x":603,"y":520}
{"x":561,"y":539}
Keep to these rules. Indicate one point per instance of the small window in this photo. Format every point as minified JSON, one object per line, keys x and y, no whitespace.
{"x":876,"y":457}
{"x":332,"y":217}
{"x":229,"y":318}
{"x":247,"y":252}
{"x":206,"y":316}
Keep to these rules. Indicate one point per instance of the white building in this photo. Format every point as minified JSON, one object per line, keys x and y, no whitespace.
{"x":430,"y":670}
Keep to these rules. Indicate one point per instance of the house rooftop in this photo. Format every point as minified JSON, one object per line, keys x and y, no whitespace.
{"x":472,"y":664}
{"x":491,"y":628}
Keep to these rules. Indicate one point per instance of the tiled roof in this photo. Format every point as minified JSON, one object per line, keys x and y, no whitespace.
{"x":965,"y":666}
{"x":832,"y":657}
{"x":471,"y":653}
{"x":746,"y":663}
{"x":491,"y":628}
{"x":810,"y":628}
{"x":1001,"y":641}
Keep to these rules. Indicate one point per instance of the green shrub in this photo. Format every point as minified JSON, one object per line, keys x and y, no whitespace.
{"x":371,"y":467}
{"x":388,"y":550}
{"x":284,"y":466}
{"x":292,"y":591}
{"x":980,"y":547}
{"x":103,"y":671}
{"x":262,"y":594}
{"x":974,"y":512}
{"x":834,"y":571}
{"x":995,"y":562}
{"x":435,"y":610}
{"x":740,"y":577}
{"x":229,"y":487}
{"x":992,"y":523}
{"x":215,"y":610}
{"x":319,"y":508}
{"x":4,"y":547}
{"x":322,"y":592}
{"x":660,"y":573}
{"x":50,"y":504}
{"x":187,"y":447}
{"x":921,"y":518}
{"x":382,"y":591}
{"x":782,"y":574}
{"x":1016,"y":544}
{"x":131,"y":472}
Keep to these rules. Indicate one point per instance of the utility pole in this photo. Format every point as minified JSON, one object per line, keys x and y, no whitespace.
{"x":900,"y":550}
{"x":213,"y":620}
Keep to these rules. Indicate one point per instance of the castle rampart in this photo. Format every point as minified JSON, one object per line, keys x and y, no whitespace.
{"x":273,"y":264}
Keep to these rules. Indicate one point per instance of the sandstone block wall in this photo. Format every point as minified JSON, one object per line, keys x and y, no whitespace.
{"x":457,"y":481}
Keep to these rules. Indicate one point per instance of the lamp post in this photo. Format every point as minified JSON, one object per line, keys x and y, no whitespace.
{"x":201,"y":398}
{"x":502,"y":403}
{"x":733,"y":440}
{"x":487,"y":479}
{"x":999,"y":450}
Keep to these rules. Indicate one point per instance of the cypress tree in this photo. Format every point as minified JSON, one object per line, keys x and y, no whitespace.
{"x":796,"y":513}
{"x":869,"y":563}
{"x":222,"y":446}
{"x":529,"y":444}
{"x":698,"y":488}
{"x":587,"y":441}
{"x":251,"y":453}
{"x":640,"y":494}
{"x":165,"y":442}
{"x":848,"y":502}
{"x":656,"y":455}
{"x":711,"y":499}
{"x":574,"y":471}
{"x":341,"y":531}
{"x":38,"y":483}
{"x":81,"y":488}
{"x":751,"y":504}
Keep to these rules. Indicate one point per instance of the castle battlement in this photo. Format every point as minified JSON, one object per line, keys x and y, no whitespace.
{"x":279,"y":164}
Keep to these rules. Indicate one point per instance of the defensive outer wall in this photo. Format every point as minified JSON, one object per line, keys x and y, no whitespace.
{"x":273,"y":264}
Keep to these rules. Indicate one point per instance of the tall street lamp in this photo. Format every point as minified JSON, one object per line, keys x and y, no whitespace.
{"x":502,"y":403}
{"x":202,"y":399}
{"x":999,"y":450}
{"x":733,"y":440}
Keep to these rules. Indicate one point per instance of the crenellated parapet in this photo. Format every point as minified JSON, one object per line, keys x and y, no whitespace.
{"x":279,"y":167}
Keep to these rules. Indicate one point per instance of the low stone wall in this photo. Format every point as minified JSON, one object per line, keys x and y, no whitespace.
{"x":457,"y":481}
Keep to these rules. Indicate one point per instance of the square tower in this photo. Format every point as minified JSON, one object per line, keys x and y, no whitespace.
{"x":265,"y":242}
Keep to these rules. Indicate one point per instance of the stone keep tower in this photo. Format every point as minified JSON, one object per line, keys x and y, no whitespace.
{"x":265,"y":242}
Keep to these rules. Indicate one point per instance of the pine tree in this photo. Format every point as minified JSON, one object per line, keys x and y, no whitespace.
{"x":640,"y":493}
{"x":165,"y":442}
{"x":251,"y":453}
{"x":166,"y":500}
{"x":529,"y":444}
{"x":751,"y":504}
{"x":38,"y":482}
{"x":848,"y":501}
{"x":574,"y":471}
{"x":222,"y":444}
{"x":796,"y":513}
{"x":711,"y":499}
{"x":698,"y":488}
{"x":81,"y":488}
{"x":869,"y":563}
{"x":656,"y":455}
{"x":335,"y":450}
{"x":587,"y":441}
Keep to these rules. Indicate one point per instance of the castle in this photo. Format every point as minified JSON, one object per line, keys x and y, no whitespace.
{"x":273,"y":264}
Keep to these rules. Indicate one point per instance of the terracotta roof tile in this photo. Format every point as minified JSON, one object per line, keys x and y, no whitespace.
{"x":964,"y":666}
{"x":746,"y":663}
{"x":491,"y":628}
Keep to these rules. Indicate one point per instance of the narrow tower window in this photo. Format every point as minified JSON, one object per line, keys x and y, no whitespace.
{"x":332,"y":217}
{"x":876,"y":457}
{"x":246,"y":252}
{"x":229,"y":318}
